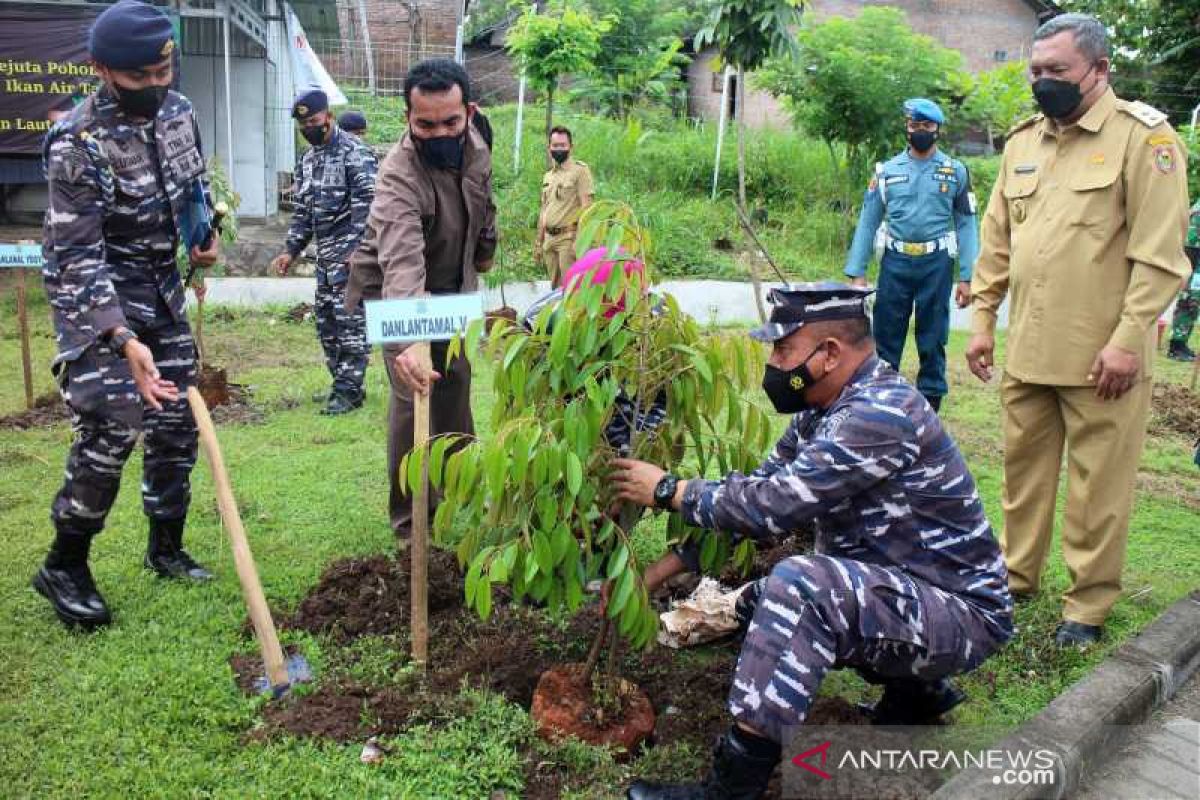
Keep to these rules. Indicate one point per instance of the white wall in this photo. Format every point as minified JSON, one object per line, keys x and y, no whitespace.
{"x":203,"y":81}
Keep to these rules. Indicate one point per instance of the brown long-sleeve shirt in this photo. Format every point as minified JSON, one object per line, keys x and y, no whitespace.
{"x":1085,"y":230}
{"x":430,"y":231}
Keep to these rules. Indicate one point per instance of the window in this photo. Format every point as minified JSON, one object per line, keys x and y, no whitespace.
{"x":1000,"y":56}
{"x":717,"y":77}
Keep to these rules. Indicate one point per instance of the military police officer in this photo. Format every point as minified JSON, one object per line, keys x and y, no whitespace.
{"x":335,"y":184}
{"x":1188,"y":304}
{"x":566,"y":192}
{"x":122,"y":168}
{"x":907,"y":585}
{"x":923,"y":200}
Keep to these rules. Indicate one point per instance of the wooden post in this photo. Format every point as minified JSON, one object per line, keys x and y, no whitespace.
{"x":23,"y":324}
{"x":419,"y":547}
{"x":243,"y":560}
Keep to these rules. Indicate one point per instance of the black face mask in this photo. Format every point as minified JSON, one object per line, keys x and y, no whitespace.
{"x":315,"y":134}
{"x":560,"y":155}
{"x":1058,"y":99}
{"x":143,"y":103}
{"x":441,"y":152}
{"x":786,"y":389}
{"x":921,"y":141}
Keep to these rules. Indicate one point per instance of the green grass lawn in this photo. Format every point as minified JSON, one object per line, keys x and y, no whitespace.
{"x":148,"y":707}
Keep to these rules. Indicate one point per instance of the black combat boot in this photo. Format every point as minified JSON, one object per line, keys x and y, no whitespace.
{"x":935,"y":400}
{"x":342,"y":403}
{"x":909,"y":701}
{"x":1179,"y":351}
{"x":67,"y":583}
{"x":165,"y":555}
{"x":742,"y":766}
{"x":1076,"y":634}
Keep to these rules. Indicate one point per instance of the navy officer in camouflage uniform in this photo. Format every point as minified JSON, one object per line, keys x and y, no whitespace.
{"x":122,"y":167}
{"x":335,"y":184}
{"x":907,"y":584}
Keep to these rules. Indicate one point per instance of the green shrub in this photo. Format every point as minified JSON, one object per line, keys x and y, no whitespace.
{"x":665,"y":171}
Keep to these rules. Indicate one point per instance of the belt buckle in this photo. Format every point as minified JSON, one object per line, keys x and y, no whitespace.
{"x":914,"y":249}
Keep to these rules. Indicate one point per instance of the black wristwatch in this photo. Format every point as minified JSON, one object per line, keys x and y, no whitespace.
{"x":664,"y":492}
{"x":119,"y":338}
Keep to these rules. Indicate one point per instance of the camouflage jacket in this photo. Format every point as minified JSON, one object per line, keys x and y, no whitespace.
{"x":335,"y":184}
{"x":881,"y":481}
{"x":116,"y":188}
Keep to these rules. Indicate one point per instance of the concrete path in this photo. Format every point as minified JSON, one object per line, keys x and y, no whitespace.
{"x":1161,"y":760}
{"x":710,"y":302}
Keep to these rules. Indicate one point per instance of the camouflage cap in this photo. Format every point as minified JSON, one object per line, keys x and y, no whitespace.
{"x":797,"y":304}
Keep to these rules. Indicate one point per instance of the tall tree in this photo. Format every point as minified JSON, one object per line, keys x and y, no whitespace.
{"x":997,"y":100}
{"x":639,"y":60}
{"x":852,"y":76}
{"x":1156,"y":49}
{"x":747,"y":33}
{"x":561,"y":40}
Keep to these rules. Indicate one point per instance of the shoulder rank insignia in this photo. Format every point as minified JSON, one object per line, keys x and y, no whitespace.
{"x":1149,"y":116}
{"x":1025,"y":123}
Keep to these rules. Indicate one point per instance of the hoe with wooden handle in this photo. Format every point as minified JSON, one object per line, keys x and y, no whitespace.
{"x":281,"y":673}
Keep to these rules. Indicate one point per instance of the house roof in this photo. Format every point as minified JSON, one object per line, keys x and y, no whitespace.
{"x":1044,"y":8}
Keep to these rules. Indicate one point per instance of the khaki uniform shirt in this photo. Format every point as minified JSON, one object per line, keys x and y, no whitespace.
{"x":430,"y":231}
{"x":1085,"y":230}
{"x":563,"y":188}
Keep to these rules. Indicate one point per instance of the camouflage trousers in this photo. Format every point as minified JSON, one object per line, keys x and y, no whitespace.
{"x":817,"y":613}
{"x":108,"y":415}
{"x":343,"y":336}
{"x":1184,"y":317}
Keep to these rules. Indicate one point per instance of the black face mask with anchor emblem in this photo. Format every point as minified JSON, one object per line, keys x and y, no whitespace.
{"x":786,"y":388}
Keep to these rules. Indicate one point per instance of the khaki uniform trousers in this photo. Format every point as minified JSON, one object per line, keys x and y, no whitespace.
{"x":449,"y":412}
{"x":1103,"y":446}
{"x":558,"y":254}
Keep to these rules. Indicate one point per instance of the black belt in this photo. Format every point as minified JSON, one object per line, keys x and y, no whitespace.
{"x":557,"y":231}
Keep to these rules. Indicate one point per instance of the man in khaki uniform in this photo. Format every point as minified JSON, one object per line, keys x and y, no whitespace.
{"x":1085,"y":230}
{"x":566,"y":192}
{"x":432,"y":230}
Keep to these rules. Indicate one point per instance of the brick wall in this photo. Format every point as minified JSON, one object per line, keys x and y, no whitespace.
{"x":392,"y":22}
{"x":402,"y":33}
{"x":979,"y":29}
{"x":976,"y":28}
{"x":704,"y":96}
{"x":494,"y":80}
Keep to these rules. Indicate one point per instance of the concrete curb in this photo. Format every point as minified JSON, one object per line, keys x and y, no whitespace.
{"x":1086,"y":723}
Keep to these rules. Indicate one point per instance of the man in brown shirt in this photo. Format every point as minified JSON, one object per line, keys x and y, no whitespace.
{"x":566,"y":193}
{"x":432,"y":230}
{"x":1084,"y":232}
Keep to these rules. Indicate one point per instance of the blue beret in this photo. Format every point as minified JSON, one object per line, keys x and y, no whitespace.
{"x":309,"y":102}
{"x":131,"y":34}
{"x":919,"y":109}
{"x":352,"y":121}
{"x":793,"y":306}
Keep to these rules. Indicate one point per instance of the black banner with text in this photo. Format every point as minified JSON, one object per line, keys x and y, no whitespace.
{"x":44,"y":70}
